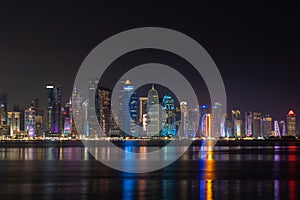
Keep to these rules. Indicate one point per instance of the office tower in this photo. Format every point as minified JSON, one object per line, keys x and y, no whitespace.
{"x":169,"y":127}
{"x":29,"y":122}
{"x":53,"y":110}
{"x":153,"y":124}
{"x":13,"y":122}
{"x":227,"y":126}
{"x":77,"y":111}
{"x":237,"y":123}
{"x":291,"y":123}
{"x":128,"y":109}
{"x":67,"y":118}
{"x":103,"y":107}
{"x":22,"y":116}
{"x":184,"y":119}
{"x":3,"y":108}
{"x":143,"y":104}
{"x":217,"y":119}
{"x":85,"y":120}
{"x":93,"y":98}
{"x":267,"y":125}
{"x":248,"y":124}
{"x":282,"y":128}
{"x":257,"y":125}
{"x":276,"y":129}
{"x":206,"y":125}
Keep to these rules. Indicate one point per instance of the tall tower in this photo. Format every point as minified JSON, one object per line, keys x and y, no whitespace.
{"x":237,"y":122}
{"x":217,"y":120}
{"x":267,"y":125}
{"x":169,"y":128}
{"x":29,"y":122}
{"x":14,"y":122}
{"x":3,"y":108}
{"x":91,"y":112}
{"x":291,"y":123}
{"x":203,"y":110}
{"x":184,"y":119}
{"x":257,"y":127}
{"x":53,"y":109}
{"x":103,"y":107}
{"x":153,"y":113}
{"x":249,"y":124}
{"x":128,"y":109}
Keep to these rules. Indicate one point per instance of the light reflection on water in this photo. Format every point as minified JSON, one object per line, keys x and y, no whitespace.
{"x":227,"y":172}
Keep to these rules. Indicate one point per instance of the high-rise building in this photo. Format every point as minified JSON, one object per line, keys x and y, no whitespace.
{"x":29,"y":122}
{"x":14,"y":122}
{"x":184,"y":119}
{"x":169,"y":127}
{"x":206,"y":125}
{"x":77,"y":111}
{"x":237,"y":123}
{"x":217,"y":119}
{"x":248,"y":124}
{"x":143,"y":105}
{"x":257,"y":125}
{"x":128,"y":109}
{"x":267,"y":125}
{"x":103,"y":107}
{"x":291,"y":123}
{"x":153,"y":124}
{"x":53,"y":109}
{"x":3,"y":108}
{"x":92,"y":118}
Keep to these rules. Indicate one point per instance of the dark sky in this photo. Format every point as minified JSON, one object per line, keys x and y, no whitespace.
{"x":255,"y":46}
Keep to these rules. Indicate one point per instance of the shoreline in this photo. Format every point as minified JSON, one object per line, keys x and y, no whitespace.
{"x":143,"y":143}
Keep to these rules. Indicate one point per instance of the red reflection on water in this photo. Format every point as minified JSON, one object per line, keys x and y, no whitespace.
{"x":291,"y":189}
{"x":292,"y":155}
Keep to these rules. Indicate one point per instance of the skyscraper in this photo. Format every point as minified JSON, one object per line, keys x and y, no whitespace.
{"x":103,"y":107}
{"x":217,"y":119}
{"x":206,"y":125}
{"x":153,"y":113}
{"x":291,"y":123}
{"x":257,"y":125}
{"x":14,"y":122}
{"x":53,"y":109}
{"x":91,"y":115}
{"x":237,"y":123}
{"x":29,"y":122}
{"x":3,"y":108}
{"x":128,"y":101}
{"x":184,"y":119}
{"x":169,"y":128}
{"x":267,"y":125}
{"x":249,"y":124}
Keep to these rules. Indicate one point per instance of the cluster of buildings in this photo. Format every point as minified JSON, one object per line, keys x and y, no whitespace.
{"x":136,"y":116}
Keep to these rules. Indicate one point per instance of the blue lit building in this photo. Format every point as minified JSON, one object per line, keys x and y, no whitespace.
{"x":169,"y":128}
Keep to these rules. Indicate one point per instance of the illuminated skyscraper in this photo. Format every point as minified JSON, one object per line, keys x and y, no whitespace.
{"x":217,"y":119}
{"x":249,"y":124}
{"x":267,"y":125}
{"x":91,"y":115}
{"x":206,"y":125}
{"x":53,"y":109}
{"x":237,"y":123}
{"x":169,"y":128}
{"x":103,"y":107}
{"x":184,"y":119}
{"x":128,"y":109}
{"x":77,"y":111}
{"x":291,"y":123}
{"x":29,"y":122}
{"x":153,"y":113}
{"x":257,"y":125}
{"x":203,"y":110}
{"x":14,"y":122}
{"x":67,"y":118}
{"x":3,"y":108}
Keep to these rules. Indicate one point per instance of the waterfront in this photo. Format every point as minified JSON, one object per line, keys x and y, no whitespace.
{"x":228,"y":172}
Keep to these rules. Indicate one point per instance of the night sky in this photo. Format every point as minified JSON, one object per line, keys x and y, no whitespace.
{"x":255,"y":46}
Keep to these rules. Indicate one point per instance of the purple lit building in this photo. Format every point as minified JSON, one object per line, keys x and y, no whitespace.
{"x":53,"y":109}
